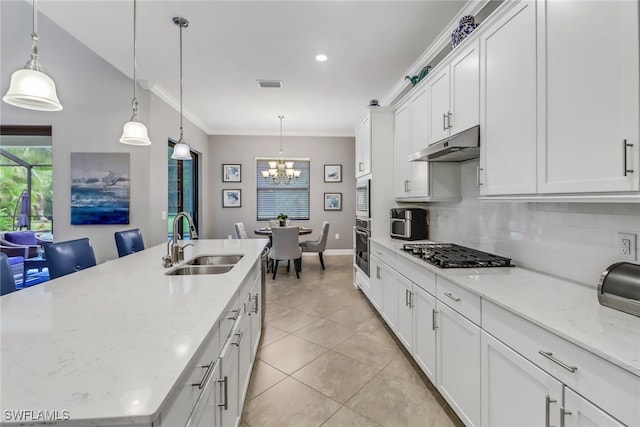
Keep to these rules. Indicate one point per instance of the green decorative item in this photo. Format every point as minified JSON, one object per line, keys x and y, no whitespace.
{"x":283,"y":219}
{"x":416,"y":79}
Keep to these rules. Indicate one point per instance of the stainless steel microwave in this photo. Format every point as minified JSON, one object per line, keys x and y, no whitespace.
{"x":363,"y":203}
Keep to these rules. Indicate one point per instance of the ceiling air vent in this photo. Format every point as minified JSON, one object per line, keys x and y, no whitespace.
{"x":270,"y":83}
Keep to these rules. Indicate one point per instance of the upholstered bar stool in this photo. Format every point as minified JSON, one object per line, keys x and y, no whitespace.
{"x":68,"y":257}
{"x":129,"y":242}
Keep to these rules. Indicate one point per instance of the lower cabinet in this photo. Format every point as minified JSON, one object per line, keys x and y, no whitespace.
{"x":458,"y":367}
{"x":404,"y":331}
{"x":424,"y":331}
{"x":229,"y":382}
{"x":579,"y":412}
{"x":207,"y":411}
{"x":516,"y":392}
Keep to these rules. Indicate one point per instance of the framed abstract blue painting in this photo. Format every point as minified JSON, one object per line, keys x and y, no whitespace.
{"x":100,"y":190}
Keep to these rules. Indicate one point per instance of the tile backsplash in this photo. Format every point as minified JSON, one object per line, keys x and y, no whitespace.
{"x":576,"y":241}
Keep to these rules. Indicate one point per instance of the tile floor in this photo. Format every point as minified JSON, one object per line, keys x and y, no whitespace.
{"x":326,"y":359}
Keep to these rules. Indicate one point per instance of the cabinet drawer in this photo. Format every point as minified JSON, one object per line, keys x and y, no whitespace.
{"x":383,"y":253}
{"x":458,"y":298}
{"x":610,"y":387}
{"x":417,"y":274}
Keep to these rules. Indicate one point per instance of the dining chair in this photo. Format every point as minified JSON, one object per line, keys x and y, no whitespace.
{"x":240,"y":231}
{"x":318,"y":245}
{"x":285,"y":246}
{"x":68,"y":257}
{"x":7,"y":282}
{"x":129,"y":242}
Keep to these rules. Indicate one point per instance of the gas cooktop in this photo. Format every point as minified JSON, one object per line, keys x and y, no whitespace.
{"x":449,"y":255}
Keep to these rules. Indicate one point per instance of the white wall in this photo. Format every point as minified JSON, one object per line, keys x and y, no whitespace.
{"x":321,"y":151}
{"x":97,"y":102}
{"x":576,"y":241}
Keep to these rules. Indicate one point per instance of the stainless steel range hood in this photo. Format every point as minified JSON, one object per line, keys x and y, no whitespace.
{"x":456,"y":148}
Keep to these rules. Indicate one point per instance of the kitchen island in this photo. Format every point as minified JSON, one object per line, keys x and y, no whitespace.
{"x":115,"y":344}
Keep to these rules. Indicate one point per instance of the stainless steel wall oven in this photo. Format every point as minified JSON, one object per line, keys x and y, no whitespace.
{"x":361,"y":247}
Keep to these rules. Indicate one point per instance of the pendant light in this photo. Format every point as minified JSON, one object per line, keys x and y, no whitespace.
{"x":134,"y":131}
{"x":181,"y":151}
{"x":281,"y":171}
{"x":31,"y":88}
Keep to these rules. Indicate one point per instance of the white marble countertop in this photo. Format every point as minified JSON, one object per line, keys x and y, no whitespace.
{"x":108,"y":343}
{"x":568,"y":309}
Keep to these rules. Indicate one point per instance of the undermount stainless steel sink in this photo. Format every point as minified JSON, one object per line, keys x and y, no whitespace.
{"x":215,"y":260}
{"x":189,"y":270}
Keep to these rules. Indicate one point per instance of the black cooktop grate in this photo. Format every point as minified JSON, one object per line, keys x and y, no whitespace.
{"x":449,"y":255}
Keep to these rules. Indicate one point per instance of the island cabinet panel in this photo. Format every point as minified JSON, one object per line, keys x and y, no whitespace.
{"x":579,"y":412}
{"x":591,"y":98}
{"x":508,"y":123}
{"x":207,"y":413}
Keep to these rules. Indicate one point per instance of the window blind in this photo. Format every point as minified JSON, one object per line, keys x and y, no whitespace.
{"x":290,"y":199}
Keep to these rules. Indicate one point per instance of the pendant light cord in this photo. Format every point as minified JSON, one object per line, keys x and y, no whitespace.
{"x":281,"y":150}
{"x":33,"y":63}
{"x":135,"y":81}
{"x":181,"y":133}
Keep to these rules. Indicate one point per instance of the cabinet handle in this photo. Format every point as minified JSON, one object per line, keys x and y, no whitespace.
{"x":203,"y":381}
{"x":453,"y":297}
{"x":562,"y":414}
{"x":406,"y":297}
{"x":478,"y":176}
{"x":449,"y":114}
{"x":255,"y":303}
{"x":625,"y":145}
{"x":225,"y":393}
{"x":239,"y":335}
{"x":378,"y":272}
{"x":235,"y":315}
{"x":410,"y":299}
{"x":434,"y":326}
{"x":360,"y":166}
{"x":547,"y":403}
{"x":444,"y":122}
{"x":550,"y":356}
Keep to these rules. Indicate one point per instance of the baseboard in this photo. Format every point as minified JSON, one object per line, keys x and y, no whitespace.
{"x":331,"y":252}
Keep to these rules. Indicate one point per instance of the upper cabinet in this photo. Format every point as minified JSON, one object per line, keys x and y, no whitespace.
{"x":590,"y":102}
{"x":508,"y":98}
{"x":560,"y":101}
{"x":363,"y":147}
{"x":454,"y":94}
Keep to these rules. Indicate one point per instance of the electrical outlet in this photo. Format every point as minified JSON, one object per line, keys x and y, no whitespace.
{"x":163,"y":215}
{"x":337,"y":236}
{"x":627,"y":246}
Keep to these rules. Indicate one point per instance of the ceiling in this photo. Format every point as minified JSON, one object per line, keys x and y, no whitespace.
{"x":230,"y":44}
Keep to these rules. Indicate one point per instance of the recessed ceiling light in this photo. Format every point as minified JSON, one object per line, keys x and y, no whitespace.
{"x":321,"y":58}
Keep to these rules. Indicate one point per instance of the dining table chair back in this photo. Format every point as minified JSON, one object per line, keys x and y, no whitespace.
{"x":285,"y":246}
{"x":240,"y":231}
{"x":129,"y":242}
{"x":68,"y":257}
{"x":318,"y":245}
{"x":7,"y":282}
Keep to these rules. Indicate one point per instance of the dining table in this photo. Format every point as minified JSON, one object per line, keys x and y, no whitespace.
{"x":266,"y":231}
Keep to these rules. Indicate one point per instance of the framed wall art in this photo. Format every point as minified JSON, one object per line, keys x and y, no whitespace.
{"x":332,"y":173}
{"x":231,"y":173}
{"x":100,"y":188}
{"x":332,"y":201}
{"x":231,"y":199}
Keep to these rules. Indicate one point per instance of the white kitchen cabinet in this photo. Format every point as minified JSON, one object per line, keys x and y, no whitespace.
{"x":590,"y":102}
{"x":207,"y":413}
{"x":424,"y":331}
{"x":363,"y":147}
{"x":374,"y":290}
{"x":454,"y":94}
{"x":404,"y":331}
{"x":228,"y":381}
{"x":420,"y":181}
{"x":508,"y":82}
{"x":579,"y":412}
{"x":458,"y":367}
{"x":389,"y":296}
{"x":253,"y":308}
{"x":242,"y":339}
{"x":515,"y":392}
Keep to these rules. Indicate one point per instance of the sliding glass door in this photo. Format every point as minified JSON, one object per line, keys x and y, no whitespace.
{"x":183,"y":191}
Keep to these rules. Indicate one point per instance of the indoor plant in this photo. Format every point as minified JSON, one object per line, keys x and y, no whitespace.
{"x":283,"y":219}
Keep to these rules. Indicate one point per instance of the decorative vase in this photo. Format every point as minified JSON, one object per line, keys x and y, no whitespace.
{"x":283,"y":222}
{"x":466,"y":27}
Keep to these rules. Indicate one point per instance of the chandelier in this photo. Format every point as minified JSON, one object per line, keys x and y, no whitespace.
{"x":281,"y":171}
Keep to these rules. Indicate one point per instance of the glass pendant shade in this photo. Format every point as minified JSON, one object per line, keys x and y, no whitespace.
{"x":135,"y":133}
{"x":181,"y":151}
{"x":34,"y":90}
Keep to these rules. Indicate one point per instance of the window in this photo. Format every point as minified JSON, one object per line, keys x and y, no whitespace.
{"x":26,"y":178}
{"x":183,"y":191}
{"x":291,"y":199}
